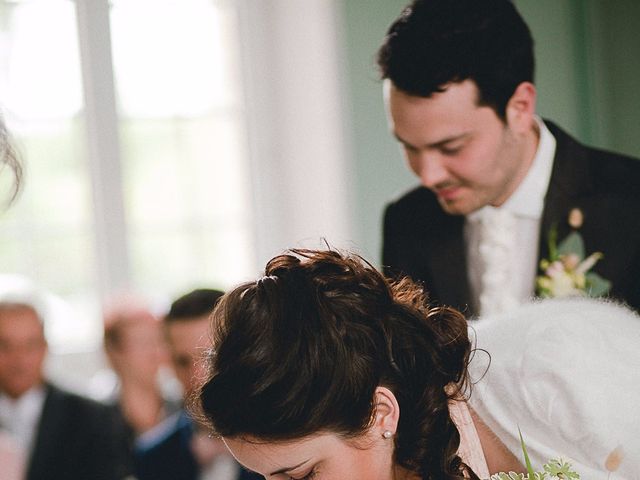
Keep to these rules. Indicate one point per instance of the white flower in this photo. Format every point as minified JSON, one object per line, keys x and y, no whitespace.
{"x":562,"y":283}
{"x":570,"y":261}
{"x":588,"y":262}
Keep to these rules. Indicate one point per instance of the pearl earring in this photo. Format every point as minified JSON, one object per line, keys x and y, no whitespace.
{"x":387,"y":434}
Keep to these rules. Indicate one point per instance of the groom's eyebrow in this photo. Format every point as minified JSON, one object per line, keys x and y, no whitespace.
{"x":288,"y":469}
{"x":437,"y":144}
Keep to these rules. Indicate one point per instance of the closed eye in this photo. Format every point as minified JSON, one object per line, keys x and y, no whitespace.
{"x":308,"y":476}
{"x":450,"y":150}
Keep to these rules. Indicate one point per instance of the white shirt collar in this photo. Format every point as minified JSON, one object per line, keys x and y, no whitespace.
{"x":528,"y":199}
{"x":21,"y":416}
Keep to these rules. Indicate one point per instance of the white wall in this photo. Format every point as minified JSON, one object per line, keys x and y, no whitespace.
{"x":300,"y":170}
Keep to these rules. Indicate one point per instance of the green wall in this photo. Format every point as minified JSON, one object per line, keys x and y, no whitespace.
{"x":378,"y":168}
{"x":587,"y":72}
{"x":617,"y":74}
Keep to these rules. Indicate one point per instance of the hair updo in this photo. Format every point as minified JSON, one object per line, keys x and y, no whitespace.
{"x":303,"y":349}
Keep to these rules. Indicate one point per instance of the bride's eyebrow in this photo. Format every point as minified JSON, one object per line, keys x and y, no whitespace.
{"x":288,"y":469}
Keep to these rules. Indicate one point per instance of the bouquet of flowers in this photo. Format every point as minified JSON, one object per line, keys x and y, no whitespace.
{"x":556,"y":469}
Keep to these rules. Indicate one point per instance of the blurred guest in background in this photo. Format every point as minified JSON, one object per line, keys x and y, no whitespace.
{"x":139,"y":388}
{"x":177,"y":449}
{"x":137,"y":353}
{"x":56,"y":434}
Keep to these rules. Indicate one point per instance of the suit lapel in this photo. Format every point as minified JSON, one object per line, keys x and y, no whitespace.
{"x":448,"y":260}
{"x":570,"y":179}
{"x":46,"y":438}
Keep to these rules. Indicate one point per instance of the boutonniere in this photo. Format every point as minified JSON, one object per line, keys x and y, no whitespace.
{"x":567,"y":270}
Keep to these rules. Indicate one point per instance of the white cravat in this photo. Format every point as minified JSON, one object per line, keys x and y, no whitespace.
{"x":496,"y":242}
{"x":502,"y":242}
{"x":18,"y":425}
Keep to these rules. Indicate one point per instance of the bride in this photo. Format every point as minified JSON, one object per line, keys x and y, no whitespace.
{"x":325,"y":370}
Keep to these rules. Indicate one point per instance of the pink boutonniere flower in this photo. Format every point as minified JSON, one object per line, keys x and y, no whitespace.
{"x":567,"y":270}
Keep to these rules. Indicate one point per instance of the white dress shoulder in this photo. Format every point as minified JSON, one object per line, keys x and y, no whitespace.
{"x":567,"y":373}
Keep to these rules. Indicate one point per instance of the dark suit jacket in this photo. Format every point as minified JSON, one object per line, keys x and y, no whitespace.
{"x":77,"y":438}
{"x":170,"y":457}
{"x":422,"y":241}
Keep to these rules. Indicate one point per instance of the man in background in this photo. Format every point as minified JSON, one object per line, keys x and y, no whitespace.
{"x":496,"y":179}
{"x":178,"y":449}
{"x":48,"y":433}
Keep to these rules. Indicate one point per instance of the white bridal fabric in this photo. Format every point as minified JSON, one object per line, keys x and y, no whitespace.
{"x":567,"y":373}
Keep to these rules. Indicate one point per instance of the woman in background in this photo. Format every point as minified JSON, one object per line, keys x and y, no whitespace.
{"x":324,"y":370}
{"x":136,"y":351}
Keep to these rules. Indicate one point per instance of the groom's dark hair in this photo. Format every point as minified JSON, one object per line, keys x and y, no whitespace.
{"x":437,"y":42}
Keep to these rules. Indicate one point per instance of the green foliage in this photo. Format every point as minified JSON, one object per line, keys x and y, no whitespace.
{"x":572,"y":244}
{"x":596,"y":285}
{"x":556,"y":468}
{"x":560,"y":468}
{"x":526,"y":455}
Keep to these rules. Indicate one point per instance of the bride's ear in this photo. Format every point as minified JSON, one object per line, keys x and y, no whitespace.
{"x":387,"y":413}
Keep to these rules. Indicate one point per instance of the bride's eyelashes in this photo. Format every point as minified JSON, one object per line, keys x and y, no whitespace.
{"x":308,"y":476}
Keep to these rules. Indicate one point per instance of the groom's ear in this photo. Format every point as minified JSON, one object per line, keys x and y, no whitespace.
{"x":521,"y":108}
{"x":387,"y":411}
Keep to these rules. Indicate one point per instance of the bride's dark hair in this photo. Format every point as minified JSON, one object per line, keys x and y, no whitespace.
{"x":303,"y":349}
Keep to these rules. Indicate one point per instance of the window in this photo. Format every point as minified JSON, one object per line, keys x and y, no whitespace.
{"x":160,"y":189}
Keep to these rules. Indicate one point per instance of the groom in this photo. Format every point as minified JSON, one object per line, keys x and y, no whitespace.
{"x":495,"y":178}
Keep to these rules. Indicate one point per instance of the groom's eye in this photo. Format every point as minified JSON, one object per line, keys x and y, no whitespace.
{"x":451,"y":150}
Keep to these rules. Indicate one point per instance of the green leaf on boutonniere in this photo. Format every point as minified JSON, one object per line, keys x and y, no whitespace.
{"x":596,"y":285}
{"x":572,"y":244}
